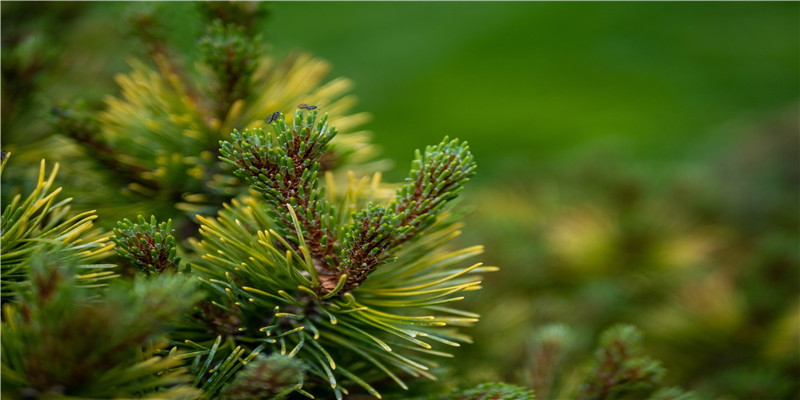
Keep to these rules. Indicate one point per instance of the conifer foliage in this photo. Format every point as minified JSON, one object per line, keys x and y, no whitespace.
{"x":307,"y":283}
{"x":62,"y":339}
{"x":309,"y":287}
{"x":335,"y":277}
{"x":41,"y":218}
{"x":154,"y":145}
{"x":620,"y":368}
{"x":150,"y":246}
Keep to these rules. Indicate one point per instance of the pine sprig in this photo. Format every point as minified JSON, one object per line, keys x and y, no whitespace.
{"x":149,"y":246}
{"x":283,"y":167}
{"x":64,"y":340}
{"x":41,"y":218}
{"x":389,"y":326}
{"x":437,"y":176}
{"x":233,"y":58}
{"x":297,"y":269}
{"x":367,"y":241}
{"x":620,"y":367}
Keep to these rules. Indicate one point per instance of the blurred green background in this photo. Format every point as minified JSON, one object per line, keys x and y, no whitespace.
{"x":526,"y":83}
{"x":638,"y":162}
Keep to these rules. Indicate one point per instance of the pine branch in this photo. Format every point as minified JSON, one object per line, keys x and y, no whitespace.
{"x":40,"y":218}
{"x":437,"y":176}
{"x":233,"y":58}
{"x":620,"y":367}
{"x":261,"y":271}
{"x":368,"y":242}
{"x":150,"y":246}
{"x":283,"y":168}
{"x":60,"y":339}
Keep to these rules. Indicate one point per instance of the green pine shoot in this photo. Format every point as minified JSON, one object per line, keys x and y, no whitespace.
{"x":42,"y":218}
{"x":333,"y":277}
{"x":149,"y":246}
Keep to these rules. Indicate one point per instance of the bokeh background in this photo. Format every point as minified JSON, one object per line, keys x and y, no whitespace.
{"x":638,"y":162}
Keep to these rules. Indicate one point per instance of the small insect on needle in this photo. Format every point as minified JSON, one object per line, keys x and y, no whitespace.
{"x":272,"y":117}
{"x":306,"y":107}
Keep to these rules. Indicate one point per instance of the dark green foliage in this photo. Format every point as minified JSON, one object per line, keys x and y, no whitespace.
{"x":150,"y":246}
{"x":490,"y":391}
{"x":62,"y":339}
{"x":266,"y":377}
{"x":246,"y":14}
{"x":24,"y":56}
{"x":620,"y":369}
{"x":233,"y":58}
{"x":550,"y":347}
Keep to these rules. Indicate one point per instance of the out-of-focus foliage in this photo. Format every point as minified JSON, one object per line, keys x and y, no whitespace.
{"x":490,"y":391}
{"x":678,"y":222}
{"x":619,"y":369}
{"x":61,"y":339}
{"x":265,"y":378}
{"x":705,"y":262}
